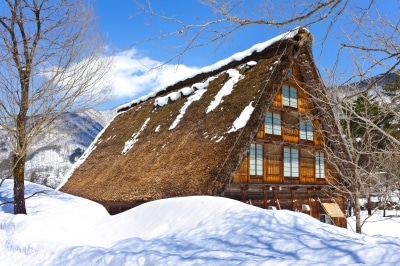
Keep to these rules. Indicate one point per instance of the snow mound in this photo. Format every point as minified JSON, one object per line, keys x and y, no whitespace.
{"x":61,"y":229}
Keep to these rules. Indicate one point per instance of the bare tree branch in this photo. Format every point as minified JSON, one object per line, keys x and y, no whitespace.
{"x":230,"y":16}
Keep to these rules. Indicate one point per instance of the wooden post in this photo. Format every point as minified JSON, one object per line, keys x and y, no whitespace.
{"x":292,"y":194}
{"x":243,"y":194}
{"x":265,"y":197}
{"x":310,"y":202}
{"x":317,"y":202}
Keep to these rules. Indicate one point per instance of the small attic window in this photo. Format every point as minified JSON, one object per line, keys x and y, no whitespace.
{"x":290,"y":73}
{"x":294,"y":73}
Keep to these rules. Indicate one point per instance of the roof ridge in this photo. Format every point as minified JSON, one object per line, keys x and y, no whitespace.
{"x":224,"y":64}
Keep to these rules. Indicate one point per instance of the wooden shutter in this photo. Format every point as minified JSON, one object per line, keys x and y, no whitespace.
{"x":307,"y":167}
{"x":242,"y":174}
{"x":290,"y":128}
{"x":278,"y":100}
{"x":304,"y":101}
{"x":273,"y":164}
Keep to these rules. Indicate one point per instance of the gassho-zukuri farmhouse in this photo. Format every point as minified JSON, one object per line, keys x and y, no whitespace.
{"x":255,"y":127}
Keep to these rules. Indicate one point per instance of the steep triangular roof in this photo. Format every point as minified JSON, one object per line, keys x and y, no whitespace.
{"x":190,"y":138}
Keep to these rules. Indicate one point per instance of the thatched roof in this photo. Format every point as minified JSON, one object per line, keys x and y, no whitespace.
{"x":190,"y":144}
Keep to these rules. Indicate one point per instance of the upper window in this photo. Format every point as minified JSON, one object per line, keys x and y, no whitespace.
{"x":289,"y":96}
{"x":291,"y":162}
{"x":319,"y":165}
{"x":306,"y":130}
{"x":273,"y":124}
{"x":290,"y":73}
{"x":256,"y":159}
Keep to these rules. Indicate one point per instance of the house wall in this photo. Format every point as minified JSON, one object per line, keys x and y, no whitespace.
{"x":265,"y":180}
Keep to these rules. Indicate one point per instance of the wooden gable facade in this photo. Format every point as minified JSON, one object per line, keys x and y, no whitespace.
{"x":183,"y":141}
{"x":286,"y":166}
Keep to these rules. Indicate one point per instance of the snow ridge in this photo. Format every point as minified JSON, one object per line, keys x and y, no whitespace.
{"x":195,"y":97}
{"x":201,"y":89}
{"x":235,"y":76}
{"x":129,"y":143}
{"x":61,"y":229}
{"x":244,"y":116}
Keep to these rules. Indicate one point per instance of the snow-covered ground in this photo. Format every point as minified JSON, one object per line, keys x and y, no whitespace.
{"x":61,"y":229}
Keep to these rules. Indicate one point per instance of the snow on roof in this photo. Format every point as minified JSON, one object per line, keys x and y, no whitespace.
{"x":129,"y":144}
{"x":186,"y":91}
{"x":241,"y":121}
{"x":235,"y":76}
{"x":235,"y":57}
{"x":195,"y":97}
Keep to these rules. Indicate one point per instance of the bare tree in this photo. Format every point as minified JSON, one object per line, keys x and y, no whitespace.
{"x":52,"y":62}
{"x":370,"y":133}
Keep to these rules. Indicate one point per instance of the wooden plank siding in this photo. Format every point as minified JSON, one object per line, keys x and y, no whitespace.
{"x":278,"y":100}
{"x":290,"y":128}
{"x":318,"y":134}
{"x":273,"y":146}
{"x":303,"y":188}
{"x":274,"y":167}
{"x":305,"y":105}
{"x":307,"y":167}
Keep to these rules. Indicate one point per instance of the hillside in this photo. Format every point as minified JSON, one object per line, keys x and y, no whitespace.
{"x":59,"y":148}
{"x":373,"y":84}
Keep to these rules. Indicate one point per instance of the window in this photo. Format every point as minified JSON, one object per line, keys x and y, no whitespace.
{"x":306,"y":130}
{"x":273,"y":124}
{"x":325,"y":218}
{"x":291,"y":162}
{"x":289,"y":96}
{"x":319,"y":165}
{"x":256,"y":159}
{"x":290,"y":73}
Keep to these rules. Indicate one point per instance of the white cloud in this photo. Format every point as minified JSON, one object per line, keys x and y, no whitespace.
{"x":133,"y":75}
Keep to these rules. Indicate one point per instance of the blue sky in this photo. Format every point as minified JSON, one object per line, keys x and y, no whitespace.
{"x":125,"y":29}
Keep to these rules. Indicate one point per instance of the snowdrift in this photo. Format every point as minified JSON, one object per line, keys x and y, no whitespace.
{"x":61,"y":229}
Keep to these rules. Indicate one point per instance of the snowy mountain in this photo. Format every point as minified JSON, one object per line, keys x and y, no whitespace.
{"x":373,"y":84}
{"x":59,"y":148}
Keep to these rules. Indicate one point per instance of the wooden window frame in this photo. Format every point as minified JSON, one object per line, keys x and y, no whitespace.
{"x":256,"y":160}
{"x":273,"y":124}
{"x":319,"y":165}
{"x":291,"y":162}
{"x":290,"y":96}
{"x":306,"y":130}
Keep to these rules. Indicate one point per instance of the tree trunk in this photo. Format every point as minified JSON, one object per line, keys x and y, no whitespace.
{"x":369,"y":204}
{"x":357,"y":212}
{"x":19,"y":184}
{"x":357,"y":208}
